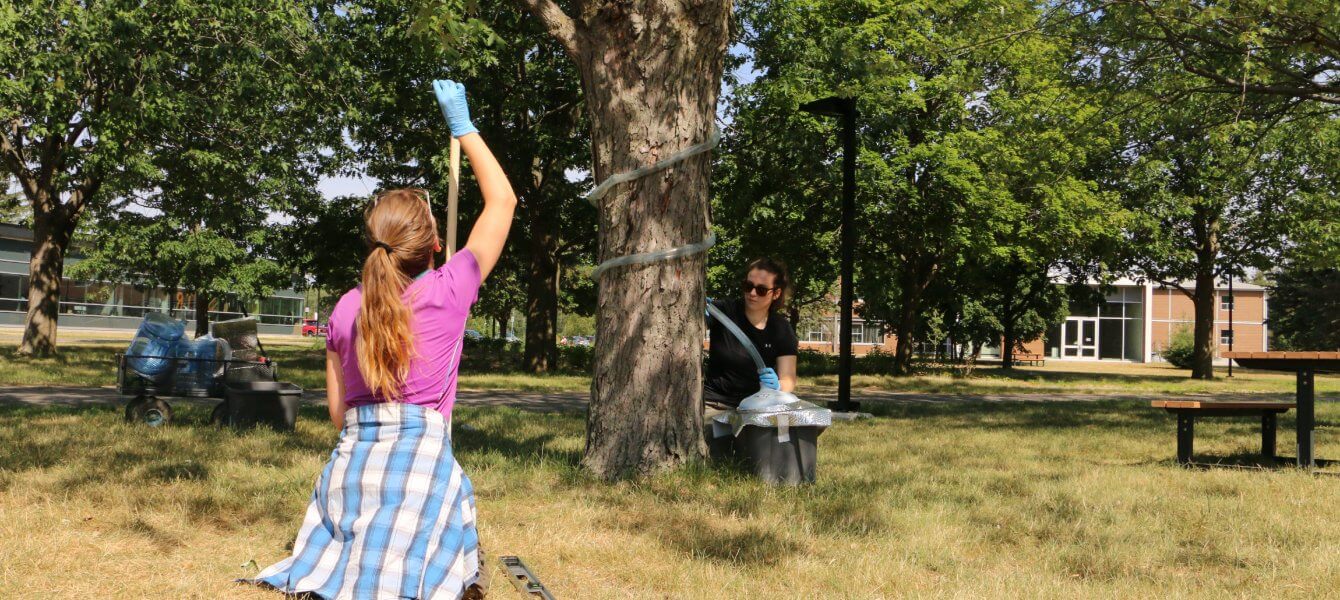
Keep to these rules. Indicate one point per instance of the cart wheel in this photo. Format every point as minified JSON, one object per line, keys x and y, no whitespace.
{"x":153,"y":412}
{"x":132,"y":406}
{"x":219,"y":417}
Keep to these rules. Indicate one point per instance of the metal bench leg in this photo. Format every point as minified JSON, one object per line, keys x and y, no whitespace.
{"x":1268,"y":435}
{"x":1186,"y":431}
{"x":1306,"y":421}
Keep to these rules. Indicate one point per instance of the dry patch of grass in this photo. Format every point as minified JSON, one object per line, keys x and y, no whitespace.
{"x":966,"y":499}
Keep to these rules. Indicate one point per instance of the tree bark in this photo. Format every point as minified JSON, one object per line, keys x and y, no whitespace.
{"x":46,"y":267}
{"x":1007,"y":344}
{"x":1206,"y":224}
{"x":651,"y":73}
{"x":201,"y":314}
{"x":907,"y":321}
{"x":915,"y":278}
{"x":542,"y":295}
{"x":1202,"y":360}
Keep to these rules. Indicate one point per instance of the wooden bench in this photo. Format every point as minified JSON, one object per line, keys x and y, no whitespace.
{"x":1188,"y":410}
{"x":1036,"y":360}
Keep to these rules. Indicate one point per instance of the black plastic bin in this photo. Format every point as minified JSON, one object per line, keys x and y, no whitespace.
{"x":250,"y":403}
{"x":773,"y":461}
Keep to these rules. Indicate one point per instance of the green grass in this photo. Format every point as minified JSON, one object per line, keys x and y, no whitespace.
{"x":954,"y":499}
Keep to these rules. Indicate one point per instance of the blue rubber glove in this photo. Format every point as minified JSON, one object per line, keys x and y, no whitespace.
{"x":768,"y":378}
{"x":451,"y":99}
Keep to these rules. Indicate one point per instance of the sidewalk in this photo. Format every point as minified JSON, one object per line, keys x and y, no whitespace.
{"x":11,"y":396}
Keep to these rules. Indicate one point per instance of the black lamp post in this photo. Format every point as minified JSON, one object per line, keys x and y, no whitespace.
{"x":845,"y":108}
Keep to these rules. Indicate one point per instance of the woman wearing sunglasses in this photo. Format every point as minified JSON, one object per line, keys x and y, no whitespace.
{"x":393,"y":514}
{"x":731,"y":373}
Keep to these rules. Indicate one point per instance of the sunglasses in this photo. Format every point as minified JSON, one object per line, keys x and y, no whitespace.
{"x":749,"y":286}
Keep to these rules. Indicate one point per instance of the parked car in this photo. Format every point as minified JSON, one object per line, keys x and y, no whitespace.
{"x":473,"y":334}
{"x":581,"y":340}
{"x":311,"y":327}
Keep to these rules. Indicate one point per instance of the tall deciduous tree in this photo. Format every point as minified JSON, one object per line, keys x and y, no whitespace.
{"x":971,"y":153}
{"x":1212,"y":201}
{"x":1222,"y":104}
{"x":223,"y":272}
{"x":1284,"y":52}
{"x":92,"y":91}
{"x":528,"y":98}
{"x":651,"y":73}
{"x":775,"y":193}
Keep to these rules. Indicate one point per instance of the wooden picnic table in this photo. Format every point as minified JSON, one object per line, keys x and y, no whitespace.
{"x":1306,"y":365}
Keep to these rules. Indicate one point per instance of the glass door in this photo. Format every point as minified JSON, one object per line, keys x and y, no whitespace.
{"x":1079,"y":338}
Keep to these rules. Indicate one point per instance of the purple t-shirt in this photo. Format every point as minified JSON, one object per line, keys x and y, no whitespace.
{"x":439,"y":302}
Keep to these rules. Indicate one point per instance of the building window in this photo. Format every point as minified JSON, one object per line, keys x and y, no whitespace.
{"x":14,"y":292}
{"x":818,"y":333}
{"x":1225,"y":302}
{"x":867,"y":333}
{"x":1226,"y":337}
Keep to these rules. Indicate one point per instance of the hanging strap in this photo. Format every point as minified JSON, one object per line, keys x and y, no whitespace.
{"x":599,"y":192}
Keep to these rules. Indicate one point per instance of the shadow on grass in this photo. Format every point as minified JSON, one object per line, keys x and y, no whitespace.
{"x":1056,"y":415}
{"x":517,"y":437}
{"x":690,"y":531}
{"x":1256,"y":462}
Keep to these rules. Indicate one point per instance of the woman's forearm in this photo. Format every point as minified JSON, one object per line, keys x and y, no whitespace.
{"x":493,"y":183}
{"x":489,"y":235}
{"x":786,"y":372}
{"x":335,"y":389}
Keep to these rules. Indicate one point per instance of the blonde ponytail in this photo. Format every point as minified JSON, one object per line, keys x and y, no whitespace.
{"x":401,"y":238}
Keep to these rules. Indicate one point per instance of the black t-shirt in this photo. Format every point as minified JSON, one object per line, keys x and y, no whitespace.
{"x":731,"y":373}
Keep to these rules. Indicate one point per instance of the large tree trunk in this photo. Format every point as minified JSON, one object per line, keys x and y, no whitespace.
{"x":542,"y":295}
{"x":1008,"y":340}
{"x":46,"y":266}
{"x":651,"y":88}
{"x":651,"y":73}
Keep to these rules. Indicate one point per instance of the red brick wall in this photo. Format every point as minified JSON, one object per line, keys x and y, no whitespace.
{"x":1172,"y":310}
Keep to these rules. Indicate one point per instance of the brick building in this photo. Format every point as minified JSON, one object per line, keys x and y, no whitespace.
{"x":1134,"y":324}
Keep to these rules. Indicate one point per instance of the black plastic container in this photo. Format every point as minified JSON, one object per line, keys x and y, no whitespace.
{"x":773,"y":461}
{"x":250,"y":403}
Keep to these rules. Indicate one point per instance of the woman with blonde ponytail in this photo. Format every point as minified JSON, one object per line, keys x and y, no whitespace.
{"x":393,"y":515}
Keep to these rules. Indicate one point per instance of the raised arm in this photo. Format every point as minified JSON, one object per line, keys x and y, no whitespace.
{"x":489,"y":234}
{"x":490,"y":231}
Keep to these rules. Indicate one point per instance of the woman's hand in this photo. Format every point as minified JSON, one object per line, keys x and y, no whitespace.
{"x":451,"y":99}
{"x":768,"y":378}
